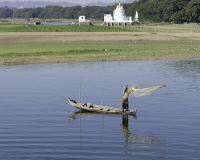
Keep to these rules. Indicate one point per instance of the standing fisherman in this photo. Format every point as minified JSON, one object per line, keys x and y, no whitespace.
{"x":125,"y":89}
{"x":125,"y":103}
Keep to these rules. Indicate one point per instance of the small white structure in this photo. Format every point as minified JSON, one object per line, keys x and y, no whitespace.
{"x":119,"y":17}
{"x":82,"y":20}
{"x":136,"y":18}
{"x":108,"y":18}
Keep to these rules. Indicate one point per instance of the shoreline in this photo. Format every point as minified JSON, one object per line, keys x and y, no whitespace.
{"x":75,"y":60}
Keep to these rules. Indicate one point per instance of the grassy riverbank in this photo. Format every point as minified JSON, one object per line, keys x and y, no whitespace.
{"x":22,"y":44}
{"x":59,"y":28}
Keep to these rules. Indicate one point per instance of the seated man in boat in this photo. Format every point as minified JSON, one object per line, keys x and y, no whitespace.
{"x":90,"y":105}
{"x":72,"y":100}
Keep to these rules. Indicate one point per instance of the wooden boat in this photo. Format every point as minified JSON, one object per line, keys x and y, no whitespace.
{"x":102,"y":109}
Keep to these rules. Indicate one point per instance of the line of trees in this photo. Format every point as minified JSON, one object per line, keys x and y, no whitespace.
{"x":178,"y":11}
{"x":56,"y":12}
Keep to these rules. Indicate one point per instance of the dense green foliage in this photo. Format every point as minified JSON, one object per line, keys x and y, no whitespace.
{"x":167,"y":10}
{"x":55,"y":12}
{"x":149,"y":10}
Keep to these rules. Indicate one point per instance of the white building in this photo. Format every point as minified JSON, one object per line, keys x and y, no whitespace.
{"x":119,"y":17}
{"x":83,"y":21}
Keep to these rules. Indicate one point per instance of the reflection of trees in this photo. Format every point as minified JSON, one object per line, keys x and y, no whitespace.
{"x":186,"y":67}
{"x":186,"y":71}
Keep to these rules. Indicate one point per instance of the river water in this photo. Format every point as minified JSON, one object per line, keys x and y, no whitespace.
{"x":34,"y":111}
{"x":56,"y":23}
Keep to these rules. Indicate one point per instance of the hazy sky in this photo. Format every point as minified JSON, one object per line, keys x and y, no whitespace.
{"x":86,"y":1}
{"x":89,"y":1}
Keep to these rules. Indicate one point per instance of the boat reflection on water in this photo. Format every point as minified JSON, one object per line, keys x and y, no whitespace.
{"x":79,"y":113}
{"x":131,"y":136}
{"x":132,"y":139}
{"x":88,"y":113}
{"x":136,"y":141}
{"x":125,"y":127}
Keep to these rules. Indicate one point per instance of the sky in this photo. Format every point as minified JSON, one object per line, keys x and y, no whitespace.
{"x":90,"y":1}
{"x":85,"y":1}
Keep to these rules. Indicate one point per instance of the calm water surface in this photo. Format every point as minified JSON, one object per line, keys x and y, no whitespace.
{"x":56,"y":23}
{"x":34,"y":111}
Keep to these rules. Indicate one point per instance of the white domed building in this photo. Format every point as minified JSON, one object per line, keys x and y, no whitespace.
{"x":119,"y":17}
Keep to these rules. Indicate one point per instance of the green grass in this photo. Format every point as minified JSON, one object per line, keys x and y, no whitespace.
{"x":67,"y":28}
{"x":72,"y":28}
{"x":25,"y":54}
{"x":97,"y":28}
{"x":13,"y":50}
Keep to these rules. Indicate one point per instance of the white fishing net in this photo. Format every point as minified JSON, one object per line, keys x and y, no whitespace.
{"x":140,"y":90}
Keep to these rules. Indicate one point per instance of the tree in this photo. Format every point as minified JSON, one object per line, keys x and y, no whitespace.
{"x":5,"y":12}
{"x":193,"y":11}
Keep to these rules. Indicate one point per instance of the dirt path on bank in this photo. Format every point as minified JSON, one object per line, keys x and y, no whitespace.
{"x":93,"y":36}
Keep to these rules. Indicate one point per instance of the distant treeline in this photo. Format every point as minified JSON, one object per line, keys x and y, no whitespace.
{"x":177,"y":11}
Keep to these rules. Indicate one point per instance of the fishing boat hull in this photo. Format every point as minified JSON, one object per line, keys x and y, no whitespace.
{"x":102,"y":109}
